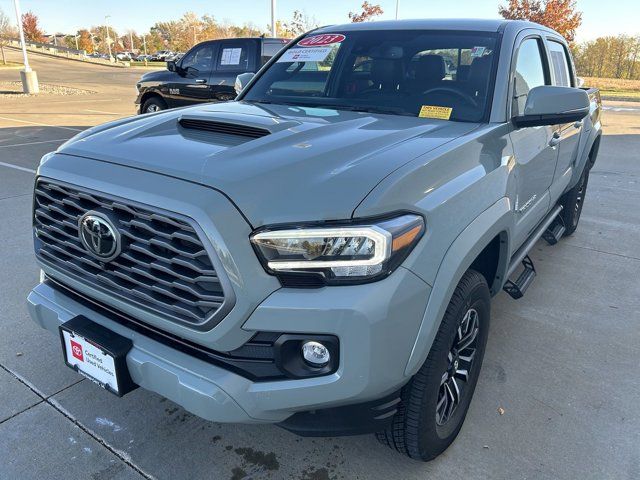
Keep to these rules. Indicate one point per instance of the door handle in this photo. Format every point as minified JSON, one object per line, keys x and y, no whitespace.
{"x":201,"y":80}
{"x":555,"y":139}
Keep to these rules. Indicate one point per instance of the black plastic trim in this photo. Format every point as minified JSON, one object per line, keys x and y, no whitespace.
{"x":258,"y":360}
{"x":359,"y":419}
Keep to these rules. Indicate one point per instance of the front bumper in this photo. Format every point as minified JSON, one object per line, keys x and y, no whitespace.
{"x":376,"y":324}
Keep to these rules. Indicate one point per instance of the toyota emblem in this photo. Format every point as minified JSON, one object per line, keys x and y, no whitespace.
{"x":99,"y":236}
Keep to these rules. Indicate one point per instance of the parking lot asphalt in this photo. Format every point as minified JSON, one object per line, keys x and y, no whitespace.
{"x":562,"y":362}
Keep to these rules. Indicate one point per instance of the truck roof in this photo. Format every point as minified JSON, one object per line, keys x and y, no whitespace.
{"x":465,"y":24}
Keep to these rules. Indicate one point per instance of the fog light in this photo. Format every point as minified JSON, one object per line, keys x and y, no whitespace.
{"x":315,"y":353}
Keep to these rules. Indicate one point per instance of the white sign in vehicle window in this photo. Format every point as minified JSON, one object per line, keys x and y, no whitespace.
{"x":306,"y":54}
{"x":90,"y":360}
{"x":231,"y":56}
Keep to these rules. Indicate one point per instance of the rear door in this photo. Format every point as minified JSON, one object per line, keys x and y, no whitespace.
{"x":569,"y":133}
{"x":534,"y":147}
{"x":234,"y":56}
{"x":192,"y":81}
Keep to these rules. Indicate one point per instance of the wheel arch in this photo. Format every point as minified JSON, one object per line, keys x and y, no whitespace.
{"x":150,"y":94}
{"x":483,"y":241}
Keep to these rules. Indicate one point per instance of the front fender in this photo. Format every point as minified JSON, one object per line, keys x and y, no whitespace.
{"x":495,"y":220}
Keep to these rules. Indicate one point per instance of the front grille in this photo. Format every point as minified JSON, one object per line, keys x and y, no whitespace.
{"x":163,"y":265}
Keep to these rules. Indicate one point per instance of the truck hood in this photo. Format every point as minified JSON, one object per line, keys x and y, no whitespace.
{"x":281,"y":164}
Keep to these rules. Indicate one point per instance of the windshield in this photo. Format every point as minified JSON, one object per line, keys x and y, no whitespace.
{"x":428,"y":74}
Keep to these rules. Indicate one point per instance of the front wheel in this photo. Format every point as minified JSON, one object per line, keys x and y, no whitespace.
{"x":153,"y":104}
{"x":435,"y":401}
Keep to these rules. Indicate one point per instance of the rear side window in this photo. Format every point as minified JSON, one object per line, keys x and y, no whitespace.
{"x":561,"y":72}
{"x":235,"y":57}
{"x":530,"y":72}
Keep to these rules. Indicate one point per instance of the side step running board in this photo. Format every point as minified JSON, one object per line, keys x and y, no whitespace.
{"x":554,"y":233}
{"x":517,"y":288}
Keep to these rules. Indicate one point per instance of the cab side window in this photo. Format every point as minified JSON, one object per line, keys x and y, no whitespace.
{"x":530,"y":72}
{"x":197,"y":62}
{"x":559,"y":60}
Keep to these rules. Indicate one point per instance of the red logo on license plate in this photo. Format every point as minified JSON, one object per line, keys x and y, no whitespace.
{"x":76,"y":350}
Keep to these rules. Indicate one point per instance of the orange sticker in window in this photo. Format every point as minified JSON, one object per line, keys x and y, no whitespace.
{"x":431,"y":111}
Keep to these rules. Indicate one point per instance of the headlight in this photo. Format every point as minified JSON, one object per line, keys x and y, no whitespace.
{"x":338,"y":253}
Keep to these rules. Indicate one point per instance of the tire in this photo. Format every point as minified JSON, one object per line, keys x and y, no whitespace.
{"x":419,"y":428}
{"x":572,"y":203}
{"x":153,"y":104}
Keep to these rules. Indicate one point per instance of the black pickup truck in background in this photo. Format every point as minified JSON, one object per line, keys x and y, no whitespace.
{"x":206,"y":73}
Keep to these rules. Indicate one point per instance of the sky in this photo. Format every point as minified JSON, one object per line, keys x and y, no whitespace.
{"x":600,"y":17}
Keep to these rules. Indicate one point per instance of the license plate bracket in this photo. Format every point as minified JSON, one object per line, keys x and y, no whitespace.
{"x":97,"y":353}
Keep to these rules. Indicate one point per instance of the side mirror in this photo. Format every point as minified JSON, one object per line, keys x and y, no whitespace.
{"x":172,"y":67}
{"x":548,"y":105}
{"x":242,"y":80}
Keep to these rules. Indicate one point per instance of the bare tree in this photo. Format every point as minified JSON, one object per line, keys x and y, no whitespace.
{"x":7,"y":32}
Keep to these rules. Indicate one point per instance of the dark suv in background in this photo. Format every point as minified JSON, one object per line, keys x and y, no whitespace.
{"x":206,"y":73}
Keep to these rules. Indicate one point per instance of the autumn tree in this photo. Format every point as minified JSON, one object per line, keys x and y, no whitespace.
{"x":369,"y":11}
{"x":7,"y":32}
{"x":609,"y":57}
{"x":103,"y":36}
{"x":31,"y":28}
{"x":84,"y":40}
{"x":560,"y":15}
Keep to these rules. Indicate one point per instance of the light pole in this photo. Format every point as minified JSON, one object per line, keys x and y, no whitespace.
{"x":397,"y":6}
{"x":144,"y":45}
{"x":28,"y":76}
{"x":76,"y":38}
{"x":106,"y":22}
{"x":274,"y":32}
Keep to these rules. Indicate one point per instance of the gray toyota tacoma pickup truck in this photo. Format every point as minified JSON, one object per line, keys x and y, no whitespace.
{"x":321,"y":252}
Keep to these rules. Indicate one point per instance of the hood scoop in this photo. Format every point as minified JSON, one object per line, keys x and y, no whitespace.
{"x":223,"y":128}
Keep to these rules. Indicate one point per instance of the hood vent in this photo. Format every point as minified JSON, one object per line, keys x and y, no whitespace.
{"x":223,"y":128}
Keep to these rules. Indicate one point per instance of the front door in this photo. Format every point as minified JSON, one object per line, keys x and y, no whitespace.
{"x":194,"y":74}
{"x":535,"y":148}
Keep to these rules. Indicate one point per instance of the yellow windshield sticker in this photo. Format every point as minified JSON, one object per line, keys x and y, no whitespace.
{"x":431,"y":111}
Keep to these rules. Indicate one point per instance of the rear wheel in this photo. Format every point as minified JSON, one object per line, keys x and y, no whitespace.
{"x":153,"y":104}
{"x":572,"y":203}
{"x":435,"y":401}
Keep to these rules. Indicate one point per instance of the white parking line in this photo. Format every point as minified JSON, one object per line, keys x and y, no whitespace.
{"x":17,"y":167}
{"x":34,"y":143}
{"x":100,"y":111}
{"x":41,"y":124}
